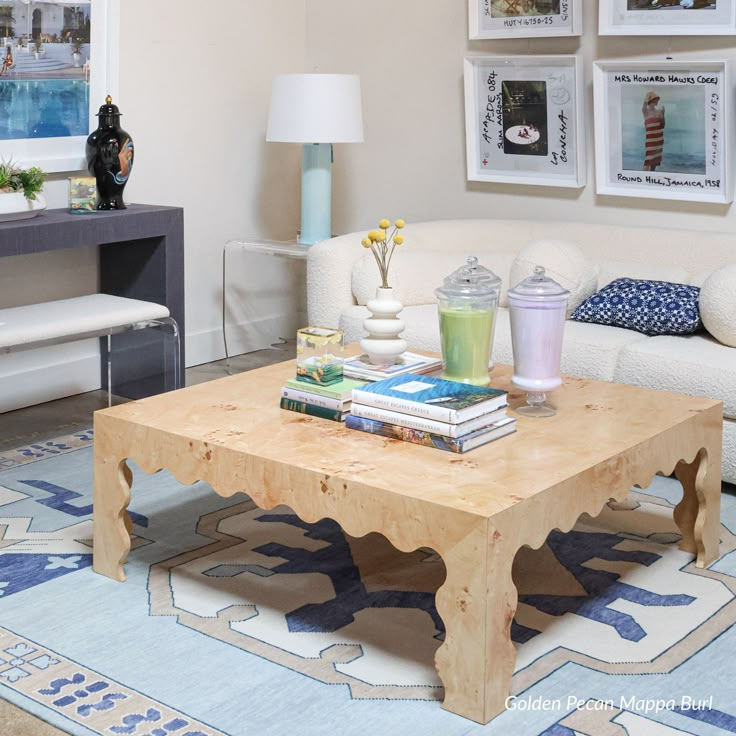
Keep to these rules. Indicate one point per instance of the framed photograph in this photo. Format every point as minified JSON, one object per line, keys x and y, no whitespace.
{"x":663,"y":129}
{"x":667,"y":17}
{"x":59,"y":62}
{"x":524,"y":18}
{"x":524,"y":120}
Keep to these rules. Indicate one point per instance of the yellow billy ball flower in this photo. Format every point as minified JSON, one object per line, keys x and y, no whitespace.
{"x":398,"y":239}
{"x":366,"y":242}
{"x":376,"y":236}
{"x":384,"y":224}
{"x":399,"y":224}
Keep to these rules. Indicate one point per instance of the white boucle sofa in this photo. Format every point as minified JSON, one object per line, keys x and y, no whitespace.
{"x":341,"y":276}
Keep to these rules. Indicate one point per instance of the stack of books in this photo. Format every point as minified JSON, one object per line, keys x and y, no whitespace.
{"x":431,"y":411}
{"x":361,"y":368}
{"x":329,"y":402}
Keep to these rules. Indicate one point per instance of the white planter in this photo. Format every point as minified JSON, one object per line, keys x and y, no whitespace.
{"x":15,"y":206}
{"x":77,"y":58}
{"x":383,"y":344}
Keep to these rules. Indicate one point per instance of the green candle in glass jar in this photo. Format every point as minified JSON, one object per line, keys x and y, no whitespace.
{"x":466,"y":335}
{"x":467,"y":300}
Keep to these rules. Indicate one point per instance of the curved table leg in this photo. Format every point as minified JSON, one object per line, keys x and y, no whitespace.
{"x":698,"y":515}
{"x":111,"y":522}
{"x":477,"y":603}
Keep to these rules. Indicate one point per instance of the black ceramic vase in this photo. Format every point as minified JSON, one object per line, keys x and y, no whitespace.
{"x":110,"y":155}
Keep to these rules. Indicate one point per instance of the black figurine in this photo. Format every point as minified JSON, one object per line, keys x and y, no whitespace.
{"x":110,"y":154}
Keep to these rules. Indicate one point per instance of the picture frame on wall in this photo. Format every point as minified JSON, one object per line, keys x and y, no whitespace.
{"x":51,"y":106}
{"x":524,"y":120}
{"x":663,"y":129}
{"x":524,"y":18}
{"x":667,"y":17}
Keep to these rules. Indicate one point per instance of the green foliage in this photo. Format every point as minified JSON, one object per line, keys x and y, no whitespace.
{"x":32,"y":181}
{"x":14,"y":179}
{"x":6,"y":177}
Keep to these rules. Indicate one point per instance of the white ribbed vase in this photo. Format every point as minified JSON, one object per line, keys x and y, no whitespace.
{"x":383,"y":344}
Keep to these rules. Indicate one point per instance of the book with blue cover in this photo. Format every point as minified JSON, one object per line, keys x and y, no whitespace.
{"x":431,"y":397}
{"x":463,"y":444}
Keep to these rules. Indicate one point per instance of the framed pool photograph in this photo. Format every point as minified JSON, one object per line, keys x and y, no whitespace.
{"x":667,"y":17}
{"x":58,"y":62}
{"x":524,"y":18}
{"x":524,"y":120}
{"x":663,"y":129}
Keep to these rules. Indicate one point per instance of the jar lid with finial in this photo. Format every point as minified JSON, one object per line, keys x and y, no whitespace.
{"x":471,"y":281}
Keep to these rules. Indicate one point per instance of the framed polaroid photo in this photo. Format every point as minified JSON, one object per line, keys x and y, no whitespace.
{"x":667,"y":17}
{"x":524,"y":18}
{"x":524,"y":120}
{"x":60,"y":61}
{"x":663,"y":129}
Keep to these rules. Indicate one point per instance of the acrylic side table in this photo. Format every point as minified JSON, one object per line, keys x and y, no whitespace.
{"x":281,"y":248}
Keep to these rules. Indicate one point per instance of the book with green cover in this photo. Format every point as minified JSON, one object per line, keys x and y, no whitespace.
{"x":342,"y":390}
{"x":313,"y":410}
{"x":431,"y":397}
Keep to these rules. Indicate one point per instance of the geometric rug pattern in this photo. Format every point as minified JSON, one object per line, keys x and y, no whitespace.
{"x":236,"y":620}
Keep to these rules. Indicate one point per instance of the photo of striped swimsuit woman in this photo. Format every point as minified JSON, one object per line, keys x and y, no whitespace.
{"x":654,"y":131}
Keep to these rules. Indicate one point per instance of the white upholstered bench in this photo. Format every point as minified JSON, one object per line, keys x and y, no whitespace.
{"x":82,"y":317}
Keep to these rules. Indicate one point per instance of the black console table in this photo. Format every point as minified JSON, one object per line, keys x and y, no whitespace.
{"x":141,"y":256}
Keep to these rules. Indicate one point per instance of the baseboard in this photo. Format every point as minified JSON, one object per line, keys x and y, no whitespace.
{"x":48,"y":380}
{"x":244,"y":337}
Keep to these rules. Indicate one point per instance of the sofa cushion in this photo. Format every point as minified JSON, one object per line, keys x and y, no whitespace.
{"x":697,"y":365}
{"x":564,"y":262}
{"x":611,"y":270}
{"x":589,"y":351}
{"x":651,"y":307}
{"x":415,"y":274}
{"x":718,"y":305}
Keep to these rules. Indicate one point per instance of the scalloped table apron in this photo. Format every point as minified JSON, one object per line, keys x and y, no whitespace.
{"x":476,"y":511}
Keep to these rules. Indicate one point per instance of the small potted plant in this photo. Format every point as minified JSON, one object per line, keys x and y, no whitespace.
{"x":38,"y":50}
{"x":20,"y":191}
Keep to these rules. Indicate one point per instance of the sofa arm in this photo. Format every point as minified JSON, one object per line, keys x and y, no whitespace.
{"x":329,"y":278}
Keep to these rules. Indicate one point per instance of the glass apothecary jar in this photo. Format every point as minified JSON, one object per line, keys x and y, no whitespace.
{"x":468,"y":301}
{"x":537,"y":308}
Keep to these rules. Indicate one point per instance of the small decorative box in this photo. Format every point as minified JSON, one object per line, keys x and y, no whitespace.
{"x":319,"y":355}
{"x":82,"y":194}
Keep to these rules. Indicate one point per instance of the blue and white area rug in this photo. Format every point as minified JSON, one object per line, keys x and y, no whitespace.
{"x":245,"y":622}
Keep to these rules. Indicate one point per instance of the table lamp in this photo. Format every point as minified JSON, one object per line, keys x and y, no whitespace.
{"x":316,"y":110}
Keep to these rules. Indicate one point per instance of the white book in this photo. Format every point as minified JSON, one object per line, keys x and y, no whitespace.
{"x":428,"y":425}
{"x":307,"y":397}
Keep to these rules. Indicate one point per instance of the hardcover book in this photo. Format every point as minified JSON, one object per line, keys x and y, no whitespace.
{"x":307,"y":397}
{"x":342,"y":390}
{"x":428,"y":439}
{"x":431,"y":397}
{"x":336,"y":415}
{"x":424,"y":424}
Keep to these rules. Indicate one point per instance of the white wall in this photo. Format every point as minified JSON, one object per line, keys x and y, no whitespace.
{"x":412,"y":165}
{"x":195,"y":101}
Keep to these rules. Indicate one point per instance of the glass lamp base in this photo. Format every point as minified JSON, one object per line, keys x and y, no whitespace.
{"x":536,"y":406}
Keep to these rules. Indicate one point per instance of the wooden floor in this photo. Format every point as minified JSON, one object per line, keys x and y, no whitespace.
{"x":65,"y":416}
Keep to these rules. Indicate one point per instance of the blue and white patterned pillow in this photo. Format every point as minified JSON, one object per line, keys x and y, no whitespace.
{"x":651,"y":307}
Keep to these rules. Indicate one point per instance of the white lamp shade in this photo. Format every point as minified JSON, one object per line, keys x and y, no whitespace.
{"x":316,"y":108}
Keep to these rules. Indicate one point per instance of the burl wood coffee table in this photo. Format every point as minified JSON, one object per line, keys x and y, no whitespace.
{"x":476,"y":510}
